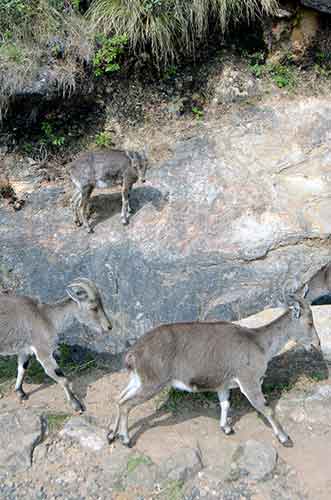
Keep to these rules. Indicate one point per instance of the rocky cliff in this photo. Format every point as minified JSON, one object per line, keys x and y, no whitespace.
{"x":237,"y":209}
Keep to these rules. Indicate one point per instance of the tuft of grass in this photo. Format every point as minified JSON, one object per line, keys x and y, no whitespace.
{"x":173,"y":400}
{"x":168,"y":28}
{"x":283,"y":75}
{"x":172,"y":490}
{"x":318,"y":376}
{"x":55,"y":421}
{"x":104,"y":139}
{"x":135,"y":460}
{"x":38,"y":33}
{"x":198,"y":113}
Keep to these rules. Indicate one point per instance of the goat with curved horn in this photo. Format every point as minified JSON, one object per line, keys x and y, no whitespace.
{"x":29,"y":328}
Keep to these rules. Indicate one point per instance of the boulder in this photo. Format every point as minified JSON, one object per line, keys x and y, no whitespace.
{"x":21,"y":431}
{"x":89,"y":436}
{"x":182,"y":465}
{"x":239,"y":209}
{"x":308,"y":408}
{"x":290,"y":32}
{"x":320,"y":5}
{"x":255,"y":459}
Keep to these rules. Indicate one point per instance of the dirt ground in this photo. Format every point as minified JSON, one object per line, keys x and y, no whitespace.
{"x":157,"y":431}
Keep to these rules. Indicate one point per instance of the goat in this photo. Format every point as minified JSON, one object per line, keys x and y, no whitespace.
{"x":211,"y":356}
{"x":28,"y":327}
{"x":102,"y":169}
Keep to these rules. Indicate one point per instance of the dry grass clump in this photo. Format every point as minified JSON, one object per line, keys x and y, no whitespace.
{"x":39,"y":41}
{"x":169,"y":27}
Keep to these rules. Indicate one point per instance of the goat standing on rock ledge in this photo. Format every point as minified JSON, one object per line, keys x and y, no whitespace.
{"x":211,"y":356}
{"x":103,"y":169}
{"x":28,"y":328}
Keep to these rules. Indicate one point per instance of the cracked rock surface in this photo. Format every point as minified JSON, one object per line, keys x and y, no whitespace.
{"x":237,"y":209}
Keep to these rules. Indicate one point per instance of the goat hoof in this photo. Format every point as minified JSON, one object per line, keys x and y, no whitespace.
{"x":22,"y":396}
{"x":90,"y":230}
{"x":288,"y":443}
{"x":77,"y":405}
{"x":125,"y":222}
{"x":111,"y":436}
{"x":227,"y":430}
{"x":77,"y":223}
{"x":125,"y":441}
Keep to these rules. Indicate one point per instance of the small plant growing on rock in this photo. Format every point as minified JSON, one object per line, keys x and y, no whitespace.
{"x":136,"y":460}
{"x":106,"y":59}
{"x":50,"y":137}
{"x":198,"y":112}
{"x":282,"y":75}
{"x":104,"y":139}
{"x":55,"y":421}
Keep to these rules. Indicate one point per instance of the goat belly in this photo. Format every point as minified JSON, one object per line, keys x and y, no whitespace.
{"x":177,"y":384}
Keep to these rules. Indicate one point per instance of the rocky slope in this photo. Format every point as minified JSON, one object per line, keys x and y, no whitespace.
{"x":241,"y":205}
{"x":179,"y":451}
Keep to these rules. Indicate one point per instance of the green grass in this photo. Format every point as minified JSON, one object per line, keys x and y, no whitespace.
{"x":135,"y":460}
{"x":283,"y":75}
{"x":55,"y":421}
{"x":198,"y":112}
{"x":104,"y":139}
{"x":172,"y":490}
{"x":173,"y":400}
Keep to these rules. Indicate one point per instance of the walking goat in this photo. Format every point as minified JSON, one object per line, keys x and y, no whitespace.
{"x":28,"y":327}
{"x":211,"y":356}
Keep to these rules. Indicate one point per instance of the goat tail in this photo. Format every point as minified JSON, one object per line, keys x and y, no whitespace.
{"x":130,"y":361}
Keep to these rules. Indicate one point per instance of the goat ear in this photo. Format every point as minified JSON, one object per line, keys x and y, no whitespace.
{"x":305,"y":290}
{"x":296,"y":310}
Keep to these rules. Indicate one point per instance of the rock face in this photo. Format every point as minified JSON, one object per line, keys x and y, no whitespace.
{"x":312,"y":408}
{"x":86,"y":434}
{"x":27,"y":427}
{"x":321,"y":5}
{"x":217,"y":229}
{"x":256,"y":459}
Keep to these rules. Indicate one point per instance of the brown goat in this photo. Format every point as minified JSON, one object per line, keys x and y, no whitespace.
{"x":104,"y":169}
{"x":211,"y":356}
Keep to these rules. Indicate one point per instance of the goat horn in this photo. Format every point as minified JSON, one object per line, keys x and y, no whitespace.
{"x":86,"y":285}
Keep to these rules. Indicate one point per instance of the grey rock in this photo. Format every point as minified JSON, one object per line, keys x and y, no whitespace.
{"x":145,"y":476}
{"x":320,"y":5}
{"x":255,"y":459}
{"x":86,"y":434}
{"x":21,"y":431}
{"x":182,"y":465}
{"x":234,"y":85}
{"x":216,"y":230}
{"x":311,"y":408}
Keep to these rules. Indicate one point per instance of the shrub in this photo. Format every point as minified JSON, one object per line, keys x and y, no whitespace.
{"x":104,"y":139}
{"x":106,"y":59}
{"x":167,"y":27}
